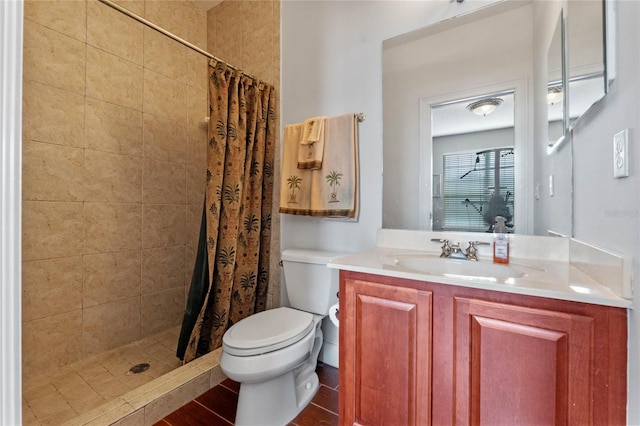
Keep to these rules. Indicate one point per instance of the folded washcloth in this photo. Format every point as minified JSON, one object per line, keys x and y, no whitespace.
{"x":311,"y":144}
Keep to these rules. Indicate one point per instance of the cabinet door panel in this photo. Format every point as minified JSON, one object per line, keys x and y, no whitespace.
{"x":520,"y":365}
{"x":390,"y":355}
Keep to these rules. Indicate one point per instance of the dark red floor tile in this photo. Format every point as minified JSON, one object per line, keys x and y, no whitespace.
{"x":194,"y":414}
{"x":230,"y":384}
{"x":326,"y":398}
{"x":328,"y":375}
{"x":161,"y":423}
{"x":313,"y":415}
{"x":220,"y":400}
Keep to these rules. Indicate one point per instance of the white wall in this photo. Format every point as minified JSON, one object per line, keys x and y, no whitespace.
{"x":332,"y":63}
{"x":607,"y":209}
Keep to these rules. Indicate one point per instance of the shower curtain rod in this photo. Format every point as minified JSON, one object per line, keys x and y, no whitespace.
{"x":171,"y":35}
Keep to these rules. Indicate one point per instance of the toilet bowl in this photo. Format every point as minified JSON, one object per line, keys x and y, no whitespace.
{"x":273,"y":354}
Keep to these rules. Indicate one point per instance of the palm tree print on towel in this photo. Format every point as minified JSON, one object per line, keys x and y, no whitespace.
{"x":333,"y":179}
{"x":294,"y":183}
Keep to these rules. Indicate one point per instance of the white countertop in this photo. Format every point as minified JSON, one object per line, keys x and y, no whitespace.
{"x":556,"y":279}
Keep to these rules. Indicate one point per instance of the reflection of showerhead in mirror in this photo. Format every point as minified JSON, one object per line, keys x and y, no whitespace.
{"x":474,"y":167}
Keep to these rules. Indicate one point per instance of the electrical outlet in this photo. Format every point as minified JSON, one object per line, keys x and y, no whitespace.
{"x":621,"y":154}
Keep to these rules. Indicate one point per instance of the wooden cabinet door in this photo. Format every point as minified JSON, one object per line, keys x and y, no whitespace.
{"x":521,"y":366}
{"x":385,"y":354}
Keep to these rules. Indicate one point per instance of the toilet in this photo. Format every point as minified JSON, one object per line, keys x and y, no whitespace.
{"x":273,"y":354}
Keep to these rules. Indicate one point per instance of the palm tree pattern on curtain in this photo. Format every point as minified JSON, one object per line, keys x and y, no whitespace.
{"x":238,"y":200}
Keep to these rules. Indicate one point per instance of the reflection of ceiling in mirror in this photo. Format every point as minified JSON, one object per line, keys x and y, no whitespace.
{"x":454,"y":118}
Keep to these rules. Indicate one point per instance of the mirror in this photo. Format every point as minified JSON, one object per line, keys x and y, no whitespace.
{"x":555,"y":86}
{"x":473,"y":152}
{"x":585,"y":57}
{"x":494,"y":49}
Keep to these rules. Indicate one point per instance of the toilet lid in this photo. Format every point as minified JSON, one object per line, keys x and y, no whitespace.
{"x":267,"y":331}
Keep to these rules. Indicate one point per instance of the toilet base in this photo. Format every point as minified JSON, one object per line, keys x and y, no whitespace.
{"x":259,"y":405}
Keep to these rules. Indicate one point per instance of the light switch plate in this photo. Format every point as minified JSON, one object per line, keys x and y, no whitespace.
{"x":621,"y":154}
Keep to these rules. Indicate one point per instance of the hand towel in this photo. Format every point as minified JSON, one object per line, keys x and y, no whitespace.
{"x":332,"y":191}
{"x":295,"y":184}
{"x":335,"y":188}
{"x":312,"y":144}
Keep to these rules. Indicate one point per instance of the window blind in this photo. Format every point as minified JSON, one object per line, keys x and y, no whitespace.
{"x":468,"y":185}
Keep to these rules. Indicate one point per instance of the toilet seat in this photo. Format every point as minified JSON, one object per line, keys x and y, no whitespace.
{"x":267,"y":331}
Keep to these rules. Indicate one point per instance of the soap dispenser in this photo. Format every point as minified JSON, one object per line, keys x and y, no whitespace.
{"x":500,"y":240}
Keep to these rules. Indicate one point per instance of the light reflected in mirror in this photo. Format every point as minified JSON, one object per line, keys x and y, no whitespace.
{"x":555,"y":85}
{"x":585,"y":57}
{"x":473,"y":163}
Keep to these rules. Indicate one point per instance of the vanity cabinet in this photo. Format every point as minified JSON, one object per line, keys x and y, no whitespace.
{"x":419,"y":353}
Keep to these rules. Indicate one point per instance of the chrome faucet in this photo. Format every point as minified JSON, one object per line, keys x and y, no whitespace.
{"x":454,"y":251}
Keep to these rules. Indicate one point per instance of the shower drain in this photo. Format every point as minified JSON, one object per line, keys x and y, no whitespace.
{"x":139,"y":368}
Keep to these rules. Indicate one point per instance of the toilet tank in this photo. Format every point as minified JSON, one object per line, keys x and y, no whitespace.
{"x":310,"y":285}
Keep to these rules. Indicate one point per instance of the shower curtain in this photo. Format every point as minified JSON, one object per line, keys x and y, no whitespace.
{"x":231,"y":271}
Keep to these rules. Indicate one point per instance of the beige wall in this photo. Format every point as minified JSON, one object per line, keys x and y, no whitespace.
{"x":114,"y":151}
{"x":246,"y":34}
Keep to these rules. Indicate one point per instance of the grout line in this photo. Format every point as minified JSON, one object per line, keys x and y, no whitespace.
{"x":209,"y":409}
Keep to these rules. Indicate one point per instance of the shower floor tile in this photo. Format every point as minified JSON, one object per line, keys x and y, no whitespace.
{"x":59,"y":396}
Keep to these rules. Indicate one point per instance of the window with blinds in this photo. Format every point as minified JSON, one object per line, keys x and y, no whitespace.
{"x":468,"y":188}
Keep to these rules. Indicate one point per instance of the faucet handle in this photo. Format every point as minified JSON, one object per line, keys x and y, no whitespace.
{"x":446,"y":248}
{"x":472,"y":252}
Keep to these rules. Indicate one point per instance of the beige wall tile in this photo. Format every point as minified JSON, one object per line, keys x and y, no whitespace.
{"x":115,"y":32}
{"x":161,"y":310}
{"x":196,"y":184}
{"x":111,"y":276}
{"x":197,"y":147}
{"x":135,"y":6}
{"x":51,"y":287}
{"x":164,"y":96}
{"x":52,"y":172}
{"x":212,"y":30}
{"x":52,"y":115}
{"x":112,"y":177}
{"x":165,"y":55}
{"x":256,"y":14}
{"x":196,"y":25}
{"x":65,"y":16}
{"x":197,"y":70}
{"x":51,"y":229}
{"x":113,"y":128}
{"x":163,"y":225}
{"x":169,"y":15}
{"x":57,"y":336}
{"x":165,"y":139}
{"x":112,"y":227}
{"x":227,"y":44}
{"x":189,"y":261}
{"x":164,"y":183}
{"x":197,"y":108}
{"x":110,"y":325}
{"x":162,"y":268}
{"x":114,"y":79}
{"x":53,"y":58}
{"x":258,"y":57}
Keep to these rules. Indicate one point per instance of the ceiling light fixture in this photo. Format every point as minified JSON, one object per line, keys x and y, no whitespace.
{"x":484,"y":107}
{"x":554,"y":95}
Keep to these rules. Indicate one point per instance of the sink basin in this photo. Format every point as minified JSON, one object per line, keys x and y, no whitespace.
{"x":456,"y":268}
